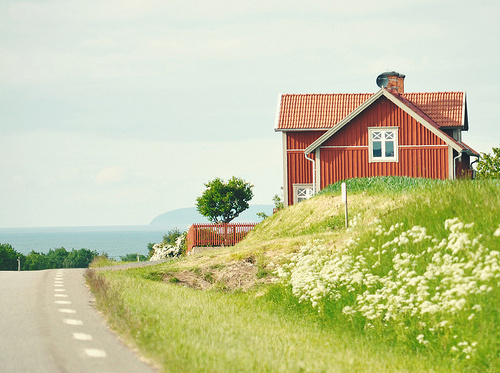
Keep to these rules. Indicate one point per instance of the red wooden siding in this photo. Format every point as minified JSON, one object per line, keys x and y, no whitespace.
{"x":463,"y":168}
{"x":384,"y":113}
{"x":339,"y":164}
{"x":301,"y":140}
{"x":217,"y":234}
{"x":427,"y":156}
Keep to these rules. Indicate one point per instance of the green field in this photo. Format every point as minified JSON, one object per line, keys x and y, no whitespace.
{"x":412,"y":285}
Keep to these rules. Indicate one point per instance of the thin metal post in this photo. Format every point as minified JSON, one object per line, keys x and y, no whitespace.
{"x":18,"y":263}
{"x":344,"y":199}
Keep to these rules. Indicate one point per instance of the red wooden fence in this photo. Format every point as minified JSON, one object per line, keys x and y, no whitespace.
{"x":217,"y":234}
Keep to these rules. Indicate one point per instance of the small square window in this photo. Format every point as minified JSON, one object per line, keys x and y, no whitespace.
{"x":301,"y":192}
{"x":383,"y":144}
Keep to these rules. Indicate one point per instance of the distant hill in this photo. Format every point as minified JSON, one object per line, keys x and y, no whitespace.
{"x":183,"y":218}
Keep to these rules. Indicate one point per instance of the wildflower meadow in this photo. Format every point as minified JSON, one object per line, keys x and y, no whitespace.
{"x":430,"y":288}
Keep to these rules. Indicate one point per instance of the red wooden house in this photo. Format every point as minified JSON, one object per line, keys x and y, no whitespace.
{"x":333,"y":137}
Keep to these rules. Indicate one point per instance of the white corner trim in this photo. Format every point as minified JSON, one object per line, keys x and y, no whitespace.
{"x":317,"y":156}
{"x":278,"y":106}
{"x":450,"y":163}
{"x":285,"y":171}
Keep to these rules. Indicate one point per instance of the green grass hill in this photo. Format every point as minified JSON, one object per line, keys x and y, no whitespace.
{"x":412,"y":285}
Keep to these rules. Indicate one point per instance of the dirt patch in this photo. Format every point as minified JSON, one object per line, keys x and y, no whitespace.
{"x":240,"y":275}
{"x":187,"y":278}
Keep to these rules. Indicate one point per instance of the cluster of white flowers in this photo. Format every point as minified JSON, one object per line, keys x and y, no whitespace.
{"x":163,"y":251}
{"x":394,"y":282}
{"x":497,"y":232}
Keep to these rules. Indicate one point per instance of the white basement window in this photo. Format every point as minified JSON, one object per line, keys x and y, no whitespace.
{"x":301,"y":192}
{"x":383,"y":144}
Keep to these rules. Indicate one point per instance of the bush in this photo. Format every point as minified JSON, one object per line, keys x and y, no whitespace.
{"x":133,"y":258}
{"x":79,"y":258}
{"x":36,"y":261}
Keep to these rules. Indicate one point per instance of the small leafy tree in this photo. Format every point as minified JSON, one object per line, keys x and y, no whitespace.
{"x":278,"y":202}
{"x":488,"y":165}
{"x":222,"y":202}
{"x":171,"y":237}
{"x":278,"y":205}
{"x":8,"y":258}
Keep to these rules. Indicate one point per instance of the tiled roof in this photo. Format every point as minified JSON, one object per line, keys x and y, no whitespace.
{"x":445,"y":108}
{"x":323,"y":111}
{"x":317,"y":111}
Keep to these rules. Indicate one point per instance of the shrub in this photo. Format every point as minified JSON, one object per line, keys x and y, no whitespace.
{"x":488,"y":165}
{"x":163,"y":250}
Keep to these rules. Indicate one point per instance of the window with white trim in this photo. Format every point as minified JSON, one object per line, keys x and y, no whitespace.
{"x":301,"y":192}
{"x":383,"y":144}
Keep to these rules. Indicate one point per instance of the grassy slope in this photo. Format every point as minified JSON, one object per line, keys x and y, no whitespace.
{"x":266,"y":330}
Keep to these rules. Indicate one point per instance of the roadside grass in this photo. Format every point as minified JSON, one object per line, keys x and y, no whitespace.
{"x":103,"y":261}
{"x":182,"y":329}
{"x":269,"y":329}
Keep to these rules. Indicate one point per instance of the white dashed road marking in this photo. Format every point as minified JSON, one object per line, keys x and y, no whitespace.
{"x":62,"y":302}
{"x":66,"y":310}
{"x":82,"y":336}
{"x":94,"y":352}
{"x":73,"y":322}
{"x":58,"y":288}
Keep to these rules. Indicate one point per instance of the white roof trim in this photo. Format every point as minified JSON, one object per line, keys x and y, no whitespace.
{"x":364,"y":105}
{"x":425,"y":123}
{"x":343,"y":122}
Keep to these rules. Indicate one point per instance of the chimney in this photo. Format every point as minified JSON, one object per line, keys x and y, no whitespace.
{"x":396,"y":82}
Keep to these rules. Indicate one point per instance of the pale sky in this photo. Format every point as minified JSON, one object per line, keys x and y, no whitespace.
{"x":115,"y":111}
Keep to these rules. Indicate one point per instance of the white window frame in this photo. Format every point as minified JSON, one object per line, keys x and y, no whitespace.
{"x":307,"y":189}
{"x":384,"y":131}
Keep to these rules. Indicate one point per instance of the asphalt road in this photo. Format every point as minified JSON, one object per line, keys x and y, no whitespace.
{"x":48,"y":324}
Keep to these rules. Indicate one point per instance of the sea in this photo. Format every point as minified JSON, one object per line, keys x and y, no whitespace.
{"x":116,"y":241}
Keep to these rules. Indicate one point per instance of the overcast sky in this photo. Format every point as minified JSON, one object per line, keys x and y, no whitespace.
{"x":114,"y":111}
